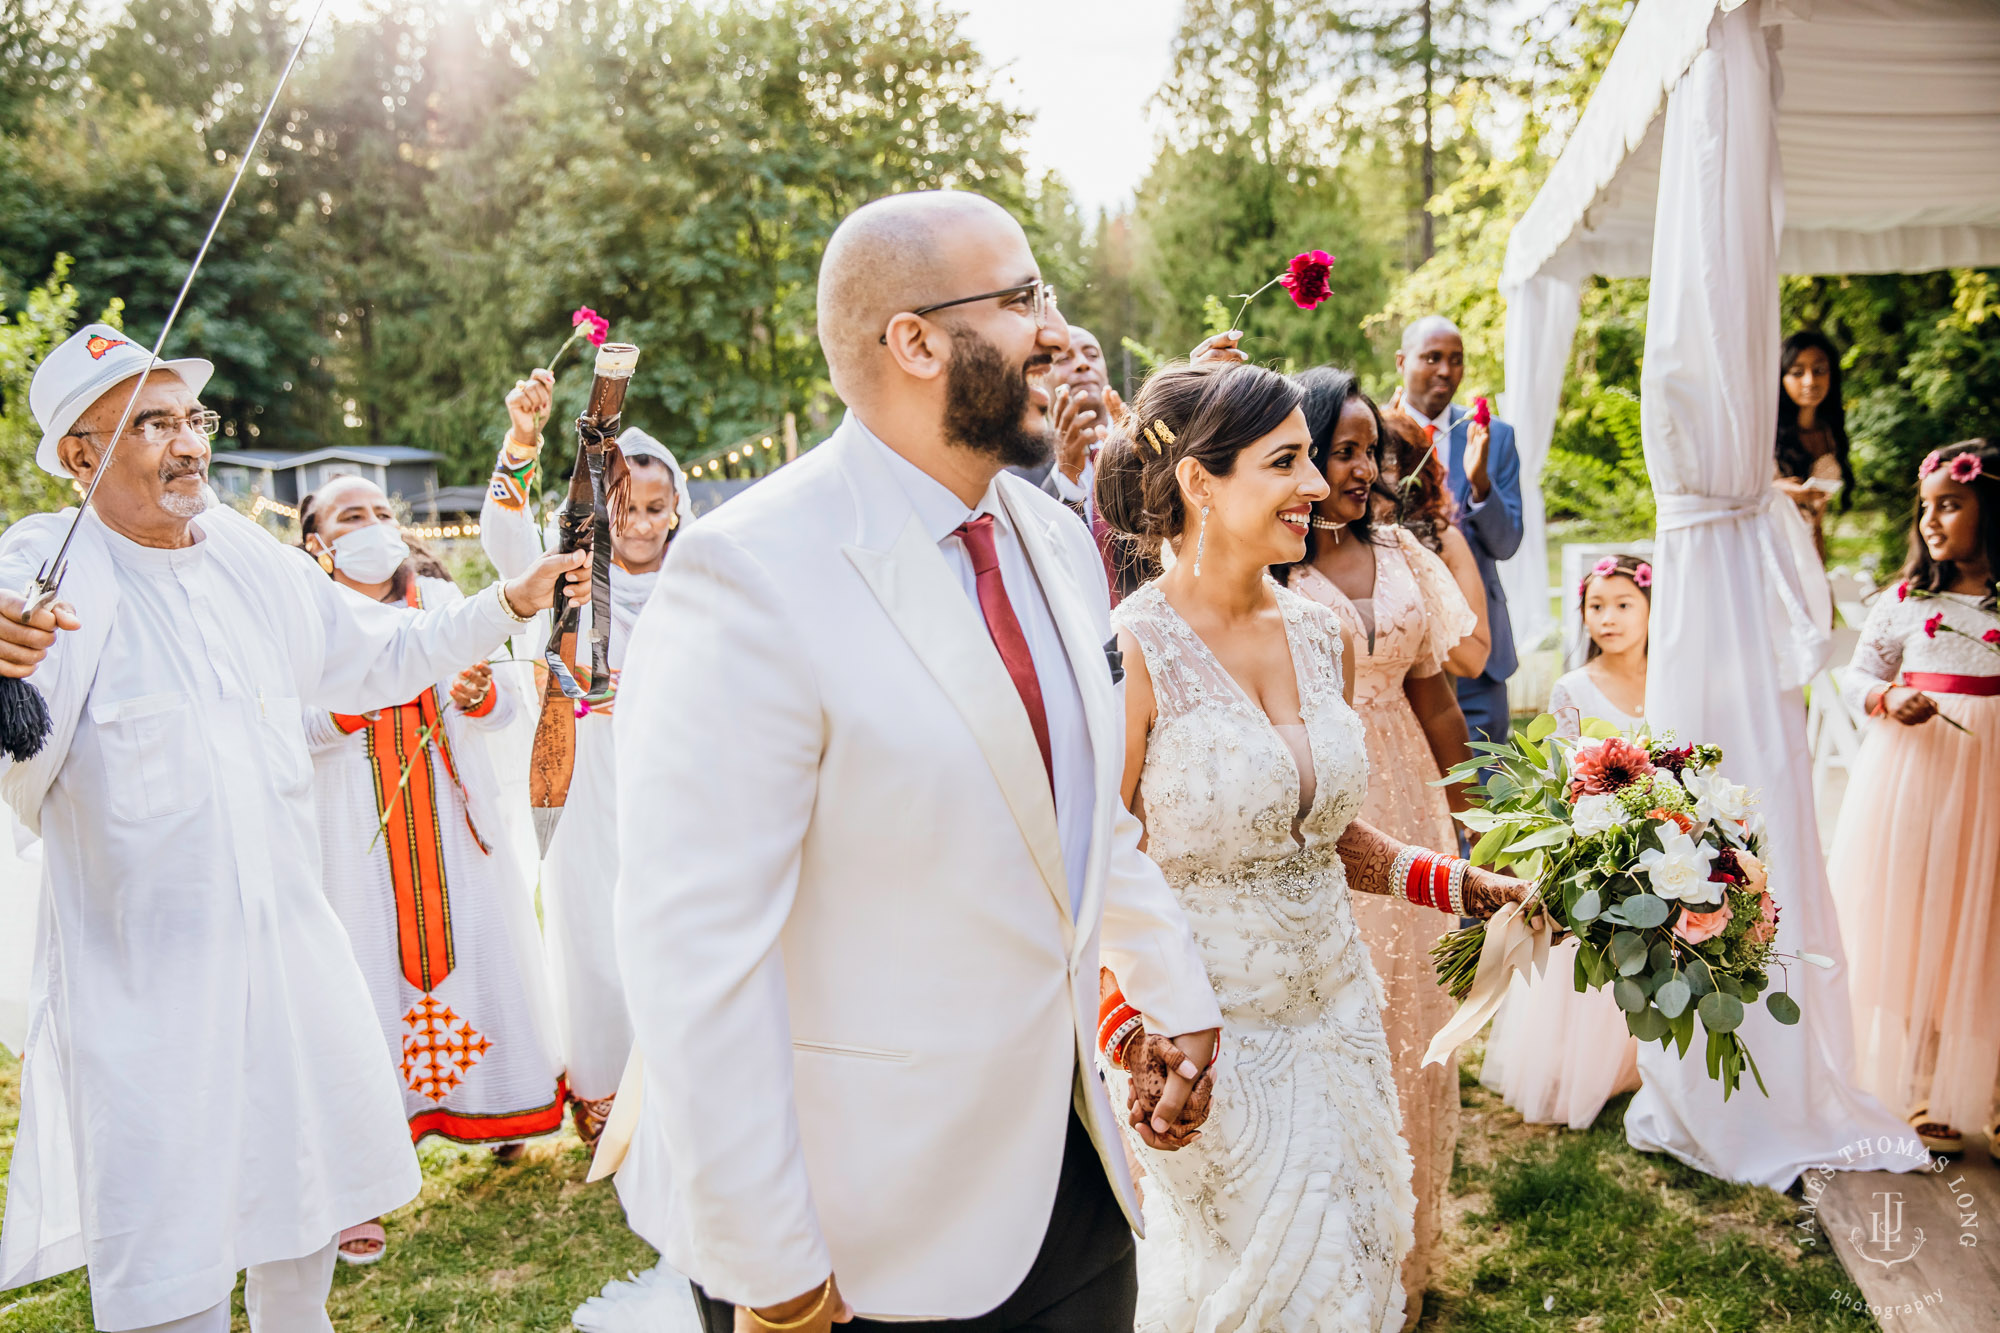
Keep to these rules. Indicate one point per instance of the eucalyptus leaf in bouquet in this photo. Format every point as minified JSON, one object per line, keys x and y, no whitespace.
{"x":1650,"y":858}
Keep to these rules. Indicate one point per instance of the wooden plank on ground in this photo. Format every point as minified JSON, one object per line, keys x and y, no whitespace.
{"x":1946,"y":1282}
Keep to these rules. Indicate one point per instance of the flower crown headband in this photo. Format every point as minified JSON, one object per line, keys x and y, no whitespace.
{"x":1640,"y":573}
{"x":1964,"y":469}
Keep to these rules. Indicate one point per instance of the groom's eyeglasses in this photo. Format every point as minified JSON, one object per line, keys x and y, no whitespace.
{"x":1035,"y":298}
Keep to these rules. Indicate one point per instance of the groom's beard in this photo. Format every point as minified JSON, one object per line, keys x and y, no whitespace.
{"x":986,"y":405}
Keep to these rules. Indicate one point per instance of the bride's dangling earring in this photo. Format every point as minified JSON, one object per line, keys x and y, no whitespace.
{"x":1200,"y":540}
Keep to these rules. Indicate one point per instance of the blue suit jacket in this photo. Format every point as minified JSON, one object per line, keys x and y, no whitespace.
{"x":1492,"y":527}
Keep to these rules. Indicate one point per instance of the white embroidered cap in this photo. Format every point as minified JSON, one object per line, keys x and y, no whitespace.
{"x":76,"y":374}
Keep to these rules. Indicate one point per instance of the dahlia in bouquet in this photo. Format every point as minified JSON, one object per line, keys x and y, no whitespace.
{"x":1645,"y":853}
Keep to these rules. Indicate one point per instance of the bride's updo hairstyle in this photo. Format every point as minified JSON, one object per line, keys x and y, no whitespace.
{"x":1209,"y":412}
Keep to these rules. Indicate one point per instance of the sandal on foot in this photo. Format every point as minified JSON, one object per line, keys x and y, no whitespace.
{"x":1939,"y":1138}
{"x":369,"y":1234}
{"x":508,"y":1152}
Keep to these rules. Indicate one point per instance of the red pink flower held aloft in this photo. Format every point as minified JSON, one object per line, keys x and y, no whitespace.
{"x":1306,"y":279}
{"x":600,"y":327}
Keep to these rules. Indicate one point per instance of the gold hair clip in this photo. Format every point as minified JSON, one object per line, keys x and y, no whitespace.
{"x":1157,"y":432}
{"x":1150,"y":438}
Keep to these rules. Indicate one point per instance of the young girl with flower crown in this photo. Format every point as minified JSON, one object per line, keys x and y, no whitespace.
{"x":1916,"y":856}
{"x":1555,"y":1054}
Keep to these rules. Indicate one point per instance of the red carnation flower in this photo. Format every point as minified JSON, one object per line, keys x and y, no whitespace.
{"x":1903,"y":591}
{"x":1605,"y":767}
{"x":1482,"y":414}
{"x":1306,"y":280}
{"x":1991,"y":636}
{"x":1931,"y":625}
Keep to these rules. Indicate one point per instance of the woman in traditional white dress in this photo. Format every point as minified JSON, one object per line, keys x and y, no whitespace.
{"x":1555,"y":1054}
{"x":580,"y":865}
{"x":1291,"y":1207}
{"x":434,"y":904}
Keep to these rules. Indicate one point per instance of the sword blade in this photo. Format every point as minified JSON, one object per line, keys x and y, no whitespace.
{"x":43,"y":590}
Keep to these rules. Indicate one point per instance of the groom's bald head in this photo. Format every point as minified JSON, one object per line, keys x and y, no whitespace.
{"x":902,"y":252}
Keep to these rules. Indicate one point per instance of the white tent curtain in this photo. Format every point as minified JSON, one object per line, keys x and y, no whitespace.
{"x":1736,"y":628}
{"x":1541,"y":323}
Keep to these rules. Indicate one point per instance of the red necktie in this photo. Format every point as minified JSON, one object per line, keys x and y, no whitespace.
{"x":1430,"y":432}
{"x":977,"y":534}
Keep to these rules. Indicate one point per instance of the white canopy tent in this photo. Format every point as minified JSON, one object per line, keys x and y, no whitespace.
{"x":1730,"y":141}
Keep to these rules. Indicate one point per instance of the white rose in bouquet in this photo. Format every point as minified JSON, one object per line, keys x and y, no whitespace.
{"x":1596,"y":814}
{"x":1716,"y":798}
{"x":1679,"y":868}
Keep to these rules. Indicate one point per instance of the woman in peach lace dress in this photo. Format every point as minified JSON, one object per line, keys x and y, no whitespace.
{"x":1406,"y":614}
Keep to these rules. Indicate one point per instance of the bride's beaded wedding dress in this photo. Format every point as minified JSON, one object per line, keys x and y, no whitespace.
{"x":1293,"y":1209}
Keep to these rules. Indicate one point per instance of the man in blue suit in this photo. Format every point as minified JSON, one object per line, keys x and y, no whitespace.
{"x":1485,"y":478}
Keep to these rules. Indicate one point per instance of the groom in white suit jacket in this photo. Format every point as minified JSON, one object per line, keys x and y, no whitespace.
{"x":868,"y":865}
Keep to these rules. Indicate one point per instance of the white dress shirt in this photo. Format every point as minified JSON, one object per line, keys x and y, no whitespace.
{"x":941,"y":512}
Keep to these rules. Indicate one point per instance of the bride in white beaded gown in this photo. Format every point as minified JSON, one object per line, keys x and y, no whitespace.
{"x":1292,"y":1208}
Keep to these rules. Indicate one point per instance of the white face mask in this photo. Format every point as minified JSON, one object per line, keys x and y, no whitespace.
{"x":372,"y":554}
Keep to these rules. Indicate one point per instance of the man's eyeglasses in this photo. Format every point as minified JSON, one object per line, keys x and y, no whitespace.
{"x":162,"y":429}
{"x":1038,"y":297}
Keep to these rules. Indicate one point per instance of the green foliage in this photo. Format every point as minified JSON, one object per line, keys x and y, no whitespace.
{"x":445,"y":183}
{"x":47,"y":315}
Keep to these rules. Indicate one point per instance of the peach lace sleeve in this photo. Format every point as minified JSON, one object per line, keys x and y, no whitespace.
{"x":1448,"y":617}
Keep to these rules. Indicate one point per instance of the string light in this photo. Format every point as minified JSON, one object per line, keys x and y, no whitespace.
{"x":732,"y":455}
{"x":261,"y":506}
{"x":444,"y":531}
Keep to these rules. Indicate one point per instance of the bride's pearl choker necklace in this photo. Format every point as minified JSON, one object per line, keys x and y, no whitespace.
{"x":1328,"y":524}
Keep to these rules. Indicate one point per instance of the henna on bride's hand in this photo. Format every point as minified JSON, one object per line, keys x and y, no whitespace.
{"x":1368,"y":854}
{"x":1485,"y":891}
{"x":1150,"y":1058}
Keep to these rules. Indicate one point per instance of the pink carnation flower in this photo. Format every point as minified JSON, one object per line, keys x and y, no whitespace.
{"x":1643,"y":575}
{"x":1931,"y":624}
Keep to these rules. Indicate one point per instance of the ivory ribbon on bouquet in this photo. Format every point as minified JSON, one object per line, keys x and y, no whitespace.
{"x":624,"y":1118}
{"x":1516,"y":941}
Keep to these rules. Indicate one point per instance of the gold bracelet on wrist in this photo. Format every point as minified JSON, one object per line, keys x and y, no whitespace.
{"x":800,"y":1321}
{"x":500,"y":591}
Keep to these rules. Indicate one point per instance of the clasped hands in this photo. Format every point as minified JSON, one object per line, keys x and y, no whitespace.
{"x":1173,"y":1085}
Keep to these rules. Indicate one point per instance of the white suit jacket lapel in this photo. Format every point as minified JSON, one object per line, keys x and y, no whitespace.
{"x":1104,"y":715}
{"x":903,"y":567}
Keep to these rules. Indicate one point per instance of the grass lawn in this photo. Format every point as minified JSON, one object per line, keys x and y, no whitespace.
{"x":498,"y":1249}
{"x":1548,"y":1230}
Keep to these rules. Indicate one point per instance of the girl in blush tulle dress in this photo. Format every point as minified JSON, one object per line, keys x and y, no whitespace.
{"x":1916,"y":857}
{"x":1555,"y":1054}
{"x":1400,"y":605}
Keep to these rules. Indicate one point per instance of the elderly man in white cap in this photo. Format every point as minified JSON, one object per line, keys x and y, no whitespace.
{"x":203,"y":1085}
{"x":581,"y":861}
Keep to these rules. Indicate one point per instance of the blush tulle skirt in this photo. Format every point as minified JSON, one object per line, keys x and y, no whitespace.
{"x":1915,"y":868}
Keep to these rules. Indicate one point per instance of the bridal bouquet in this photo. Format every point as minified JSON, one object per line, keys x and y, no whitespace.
{"x":1649,"y":857}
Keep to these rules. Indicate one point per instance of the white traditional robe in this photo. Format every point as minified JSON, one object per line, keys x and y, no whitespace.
{"x":475,"y":1050}
{"x":582,"y":862}
{"x":203,"y":1086}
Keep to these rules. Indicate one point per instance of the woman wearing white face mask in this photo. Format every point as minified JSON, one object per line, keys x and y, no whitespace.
{"x":434,"y":902}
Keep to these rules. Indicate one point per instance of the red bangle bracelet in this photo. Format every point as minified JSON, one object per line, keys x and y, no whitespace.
{"x":1441,"y":884}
